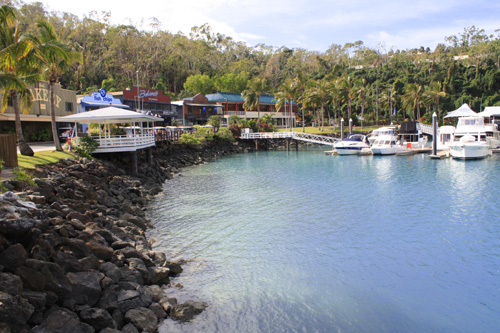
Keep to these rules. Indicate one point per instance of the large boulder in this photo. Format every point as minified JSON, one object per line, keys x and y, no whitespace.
{"x":15,"y":311}
{"x":25,"y":149}
{"x":97,"y":318}
{"x":10,"y":283}
{"x":16,"y":227}
{"x":13,"y":257}
{"x":56,"y":280}
{"x":32,"y":279}
{"x":62,"y":320}
{"x":186,"y":311}
{"x":86,"y":287}
{"x":143,"y":319}
{"x":129,"y":299}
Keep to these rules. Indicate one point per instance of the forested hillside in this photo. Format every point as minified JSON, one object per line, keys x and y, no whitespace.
{"x":347,"y":80}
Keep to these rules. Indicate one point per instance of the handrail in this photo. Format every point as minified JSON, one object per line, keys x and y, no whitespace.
{"x":313,"y":138}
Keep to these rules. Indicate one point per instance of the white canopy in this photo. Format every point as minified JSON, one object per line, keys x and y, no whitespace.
{"x":109,"y":115}
{"x":463,"y":111}
{"x":490,"y":111}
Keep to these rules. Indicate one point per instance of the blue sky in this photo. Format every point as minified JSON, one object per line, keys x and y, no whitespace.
{"x":309,"y":24}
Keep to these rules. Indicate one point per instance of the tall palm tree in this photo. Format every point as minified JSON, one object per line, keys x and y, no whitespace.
{"x":412,"y":98}
{"x":55,"y":57}
{"x":299,"y":87}
{"x":255,"y":88}
{"x":361,"y":91}
{"x":347,"y":86}
{"x":284,"y":96}
{"x":435,"y":92}
{"x":17,"y":70}
{"x":320,"y":95}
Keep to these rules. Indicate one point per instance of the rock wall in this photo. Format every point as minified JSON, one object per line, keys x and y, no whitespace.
{"x":73,"y":252}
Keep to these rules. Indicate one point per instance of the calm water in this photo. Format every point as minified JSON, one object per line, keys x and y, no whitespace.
{"x":305,"y":242}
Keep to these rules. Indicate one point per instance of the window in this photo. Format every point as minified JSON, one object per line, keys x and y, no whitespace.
{"x":69,"y":107}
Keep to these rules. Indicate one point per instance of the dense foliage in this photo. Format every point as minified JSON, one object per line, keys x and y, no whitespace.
{"x":374,"y":84}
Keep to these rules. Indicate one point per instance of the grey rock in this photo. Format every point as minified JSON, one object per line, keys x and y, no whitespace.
{"x":55,"y":277}
{"x":158,"y":274}
{"x":15,"y":310}
{"x":13,"y":257}
{"x":158,"y":311}
{"x":129,"y":299}
{"x":130,"y":328}
{"x":62,"y":320}
{"x":112,"y":271}
{"x":35,"y":298}
{"x":10,"y":283}
{"x":98,"y":318}
{"x":143,"y":319}
{"x":186,"y":311}
{"x":86,"y":287}
{"x":32,"y":279}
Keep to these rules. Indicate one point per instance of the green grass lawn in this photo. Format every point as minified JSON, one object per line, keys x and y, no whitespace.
{"x":41,"y":157}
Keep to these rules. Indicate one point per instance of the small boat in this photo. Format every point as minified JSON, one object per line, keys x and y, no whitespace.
{"x":470,"y":139}
{"x":352,"y":145}
{"x":411,"y":135}
{"x":390,"y":130}
{"x":386,"y":145}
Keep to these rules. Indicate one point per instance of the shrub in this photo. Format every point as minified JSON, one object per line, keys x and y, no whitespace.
{"x":189,"y":139}
{"x":41,"y":134}
{"x":224,"y":134}
{"x":236,"y":131}
{"x":2,"y":163}
{"x":86,"y":146}
{"x":23,"y":177}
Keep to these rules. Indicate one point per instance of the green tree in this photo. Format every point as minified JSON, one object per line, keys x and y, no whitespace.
{"x":231,"y":82}
{"x":199,"y":84}
{"x":412,"y":98}
{"x":214,"y":121}
{"x":255,"y":88}
{"x":17,"y":70}
{"x":55,"y":57}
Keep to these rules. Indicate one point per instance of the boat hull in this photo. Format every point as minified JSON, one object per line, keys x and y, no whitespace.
{"x":469,"y":151}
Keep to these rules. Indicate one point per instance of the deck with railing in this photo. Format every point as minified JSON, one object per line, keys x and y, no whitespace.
{"x":124,"y":143}
{"x":307,"y":137}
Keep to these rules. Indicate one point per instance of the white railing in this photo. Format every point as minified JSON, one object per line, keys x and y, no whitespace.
{"x":313,"y":138}
{"x":121,"y":143}
{"x":426,"y":129}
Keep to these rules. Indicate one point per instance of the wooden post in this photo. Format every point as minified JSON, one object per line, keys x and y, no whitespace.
{"x":134,"y":162}
{"x":434,"y":134}
{"x":297,"y":145}
{"x":8,"y":150}
{"x":287,"y":144}
{"x":256,"y":145}
{"x":150,"y":155}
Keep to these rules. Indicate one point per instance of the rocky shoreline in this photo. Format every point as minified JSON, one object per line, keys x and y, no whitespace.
{"x":74,"y":256}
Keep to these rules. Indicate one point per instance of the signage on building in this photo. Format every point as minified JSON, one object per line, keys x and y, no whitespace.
{"x":42,"y":95}
{"x":146,"y":95}
{"x":98,"y":97}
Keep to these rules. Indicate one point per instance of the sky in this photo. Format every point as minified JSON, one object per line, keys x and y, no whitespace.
{"x":313,"y":25}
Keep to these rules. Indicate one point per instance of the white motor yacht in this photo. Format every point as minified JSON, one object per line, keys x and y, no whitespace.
{"x":411,"y":135}
{"x":352,"y":145}
{"x":386,"y":145}
{"x":390,"y":130}
{"x":469,"y":139}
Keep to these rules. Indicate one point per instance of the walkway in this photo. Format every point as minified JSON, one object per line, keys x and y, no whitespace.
{"x":307,"y":137}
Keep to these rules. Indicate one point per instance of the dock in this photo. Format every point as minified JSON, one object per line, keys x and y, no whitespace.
{"x":440,"y":154}
{"x":413,"y":151}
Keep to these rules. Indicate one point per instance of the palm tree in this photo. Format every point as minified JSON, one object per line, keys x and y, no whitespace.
{"x":412,"y":97}
{"x":284,"y":96}
{"x":255,"y":88}
{"x":320,"y":95}
{"x":55,"y":57}
{"x":17,"y":71}
{"x":360,"y":92}
{"x":435,"y":92}
{"x":298,"y":88}
{"x":347,"y":86}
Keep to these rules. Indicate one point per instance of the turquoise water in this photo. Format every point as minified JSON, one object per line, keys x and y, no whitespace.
{"x":305,"y":242}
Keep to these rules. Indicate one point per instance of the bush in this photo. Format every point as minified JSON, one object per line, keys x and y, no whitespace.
{"x":86,"y":146}
{"x":236,"y":131}
{"x":2,"y":163}
{"x":23,"y":177}
{"x":189,"y":139}
{"x":41,"y":134}
{"x":224,"y":134}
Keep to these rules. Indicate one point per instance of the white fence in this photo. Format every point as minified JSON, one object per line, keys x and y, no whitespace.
{"x":123,"y":143}
{"x":313,"y":138}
